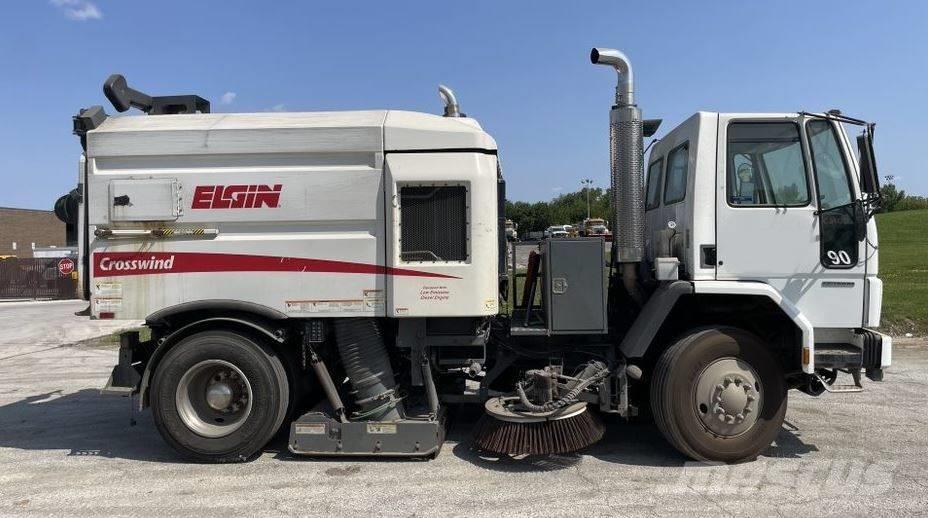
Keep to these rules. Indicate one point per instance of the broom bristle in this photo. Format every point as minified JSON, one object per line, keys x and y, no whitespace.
{"x":538,"y":438}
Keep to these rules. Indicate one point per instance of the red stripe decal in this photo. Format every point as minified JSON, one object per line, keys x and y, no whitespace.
{"x":119,"y":264}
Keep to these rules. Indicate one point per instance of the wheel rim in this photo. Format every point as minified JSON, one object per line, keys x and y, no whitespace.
{"x":727,"y":398}
{"x":213,"y":398}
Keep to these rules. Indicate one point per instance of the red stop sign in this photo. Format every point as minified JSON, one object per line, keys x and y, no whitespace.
{"x":65,"y":266}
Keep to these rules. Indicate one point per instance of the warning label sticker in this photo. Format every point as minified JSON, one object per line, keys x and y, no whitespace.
{"x":381,"y":428}
{"x":373,"y":299}
{"x":107,"y":305}
{"x":310,"y":429}
{"x":108,"y":289}
{"x":324,"y":306}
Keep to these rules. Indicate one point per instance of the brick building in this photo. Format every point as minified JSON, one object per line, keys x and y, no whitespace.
{"x":27,"y":228}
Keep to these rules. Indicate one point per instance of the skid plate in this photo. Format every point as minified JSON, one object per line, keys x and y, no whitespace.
{"x":315,"y":433}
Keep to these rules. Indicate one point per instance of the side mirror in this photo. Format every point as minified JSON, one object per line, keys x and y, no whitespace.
{"x":869,"y":180}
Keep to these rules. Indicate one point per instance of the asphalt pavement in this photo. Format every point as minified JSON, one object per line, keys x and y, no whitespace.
{"x":66,"y":450}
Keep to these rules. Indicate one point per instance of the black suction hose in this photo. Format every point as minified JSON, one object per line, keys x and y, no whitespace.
{"x":364,"y":357}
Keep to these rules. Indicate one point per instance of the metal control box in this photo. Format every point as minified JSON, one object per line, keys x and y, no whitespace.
{"x":575,"y":285}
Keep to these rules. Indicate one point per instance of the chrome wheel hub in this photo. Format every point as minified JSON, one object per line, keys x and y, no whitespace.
{"x":213,"y":398}
{"x":219,"y":396}
{"x":727,"y":397}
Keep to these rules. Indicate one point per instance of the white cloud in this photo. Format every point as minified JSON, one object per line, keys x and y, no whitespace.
{"x":557,"y":189}
{"x":79,"y":10}
{"x":278,"y":108}
{"x":228,"y":98}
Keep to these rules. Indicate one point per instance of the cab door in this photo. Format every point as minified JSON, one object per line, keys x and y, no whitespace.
{"x":842,"y":224}
{"x":769,"y":222}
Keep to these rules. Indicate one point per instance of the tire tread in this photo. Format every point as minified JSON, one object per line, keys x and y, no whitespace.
{"x":662,"y":396}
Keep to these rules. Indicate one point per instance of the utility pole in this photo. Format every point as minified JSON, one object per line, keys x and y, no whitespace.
{"x":587,"y":183}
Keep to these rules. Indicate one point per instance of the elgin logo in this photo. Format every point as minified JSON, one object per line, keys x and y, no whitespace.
{"x":236,"y":196}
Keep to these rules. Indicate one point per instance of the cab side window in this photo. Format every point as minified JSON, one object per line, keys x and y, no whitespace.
{"x":834,"y":189}
{"x":675,"y":185}
{"x":655,"y":180}
{"x":837,"y":215}
{"x":765,"y":165}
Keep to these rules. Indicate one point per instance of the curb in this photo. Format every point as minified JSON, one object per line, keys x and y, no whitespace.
{"x":30,"y":302}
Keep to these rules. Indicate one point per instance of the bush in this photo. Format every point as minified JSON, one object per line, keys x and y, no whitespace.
{"x":893,"y":199}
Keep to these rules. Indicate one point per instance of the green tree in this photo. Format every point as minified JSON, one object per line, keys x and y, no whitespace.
{"x":890,"y":197}
{"x":565,"y":209}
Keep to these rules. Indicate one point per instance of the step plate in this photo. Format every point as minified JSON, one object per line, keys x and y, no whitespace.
{"x":318,"y":434}
{"x":838,"y":356}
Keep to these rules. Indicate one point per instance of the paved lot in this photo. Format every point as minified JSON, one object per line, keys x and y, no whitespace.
{"x":523,"y":249}
{"x":65,"y":450}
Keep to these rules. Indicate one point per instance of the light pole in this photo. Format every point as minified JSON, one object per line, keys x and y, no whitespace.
{"x":587,"y":183}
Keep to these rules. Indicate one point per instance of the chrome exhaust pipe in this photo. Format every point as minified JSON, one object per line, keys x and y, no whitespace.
{"x":626,"y":157}
{"x":451,"y":102}
{"x":625,"y":89}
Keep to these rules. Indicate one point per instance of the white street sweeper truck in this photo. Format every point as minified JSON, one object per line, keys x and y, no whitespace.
{"x":344,"y":277}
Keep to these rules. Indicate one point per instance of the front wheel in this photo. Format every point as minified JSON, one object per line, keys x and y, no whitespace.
{"x":219,"y":396}
{"x":718,"y":395}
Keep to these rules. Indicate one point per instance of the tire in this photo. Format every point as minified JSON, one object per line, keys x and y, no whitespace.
{"x":701,"y":395}
{"x":254,"y":400}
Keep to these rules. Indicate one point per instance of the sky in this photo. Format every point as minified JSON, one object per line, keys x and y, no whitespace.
{"x":521,"y":68}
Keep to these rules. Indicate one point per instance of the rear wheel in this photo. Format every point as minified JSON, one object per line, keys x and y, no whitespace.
{"x":219,"y":396}
{"x":718,"y":395}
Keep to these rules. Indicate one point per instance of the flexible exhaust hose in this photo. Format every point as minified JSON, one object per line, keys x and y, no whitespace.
{"x":364,"y":356}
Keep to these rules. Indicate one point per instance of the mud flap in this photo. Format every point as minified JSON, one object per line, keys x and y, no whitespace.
{"x":126,"y":375}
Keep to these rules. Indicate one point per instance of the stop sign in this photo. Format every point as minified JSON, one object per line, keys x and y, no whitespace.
{"x":65,"y":266}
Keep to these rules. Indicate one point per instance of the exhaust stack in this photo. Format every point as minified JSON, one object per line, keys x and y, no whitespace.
{"x":451,"y":102}
{"x":626,"y":150}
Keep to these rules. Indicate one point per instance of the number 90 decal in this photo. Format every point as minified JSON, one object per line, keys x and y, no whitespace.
{"x":838,"y":258}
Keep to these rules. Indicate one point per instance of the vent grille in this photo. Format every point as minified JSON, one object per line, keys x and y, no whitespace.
{"x":433,"y":223}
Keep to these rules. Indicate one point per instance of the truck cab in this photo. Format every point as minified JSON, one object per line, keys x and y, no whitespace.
{"x":595,"y":227}
{"x":775,"y":201}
